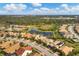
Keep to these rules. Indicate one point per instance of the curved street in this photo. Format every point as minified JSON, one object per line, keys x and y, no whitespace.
{"x":71,"y":30}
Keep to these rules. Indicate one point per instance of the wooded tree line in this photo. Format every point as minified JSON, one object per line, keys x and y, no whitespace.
{"x":33,"y":20}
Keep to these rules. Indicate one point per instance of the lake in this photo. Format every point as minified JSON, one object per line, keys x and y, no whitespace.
{"x":44,"y":33}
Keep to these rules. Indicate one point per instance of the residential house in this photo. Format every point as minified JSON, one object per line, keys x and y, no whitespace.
{"x":24,"y":51}
{"x":66,"y":49}
{"x":28,"y":35}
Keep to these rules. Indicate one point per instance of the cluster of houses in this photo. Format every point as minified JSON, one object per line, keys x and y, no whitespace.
{"x":64,"y":31}
{"x":77,"y":28}
{"x":13,"y":27}
{"x":70,"y":31}
{"x":9,"y":46}
{"x":53,"y":43}
{"x":59,"y":17}
{"x":49,"y":41}
{"x":14,"y":48}
{"x":12,"y":31}
{"x":14,"y":34}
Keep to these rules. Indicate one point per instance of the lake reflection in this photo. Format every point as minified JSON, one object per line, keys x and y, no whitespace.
{"x":36,"y":31}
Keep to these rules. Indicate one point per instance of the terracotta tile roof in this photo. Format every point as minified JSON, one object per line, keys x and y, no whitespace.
{"x":27,"y":48}
{"x":13,"y":48}
{"x":28,"y":35}
{"x":66,"y":49}
{"x":21,"y":50}
{"x":6,"y":44}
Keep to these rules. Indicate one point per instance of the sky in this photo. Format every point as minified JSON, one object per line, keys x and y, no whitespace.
{"x":39,"y":8}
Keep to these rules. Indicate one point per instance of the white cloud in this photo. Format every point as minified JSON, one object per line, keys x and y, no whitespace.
{"x":16,"y":7}
{"x":69,"y":9}
{"x":62,"y":9}
{"x":44,"y":8}
{"x":75,"y":8}
{"x":43,"y":11}
{"x":57,"y":8}
{"x":22,"y":7}
{"x":65,"y":7}
{"x":36,"y":4}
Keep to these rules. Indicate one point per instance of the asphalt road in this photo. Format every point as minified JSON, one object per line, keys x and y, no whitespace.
{"x":71,"y":30}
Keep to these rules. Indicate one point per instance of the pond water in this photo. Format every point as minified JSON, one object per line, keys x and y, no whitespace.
{"x":36,"y":31}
